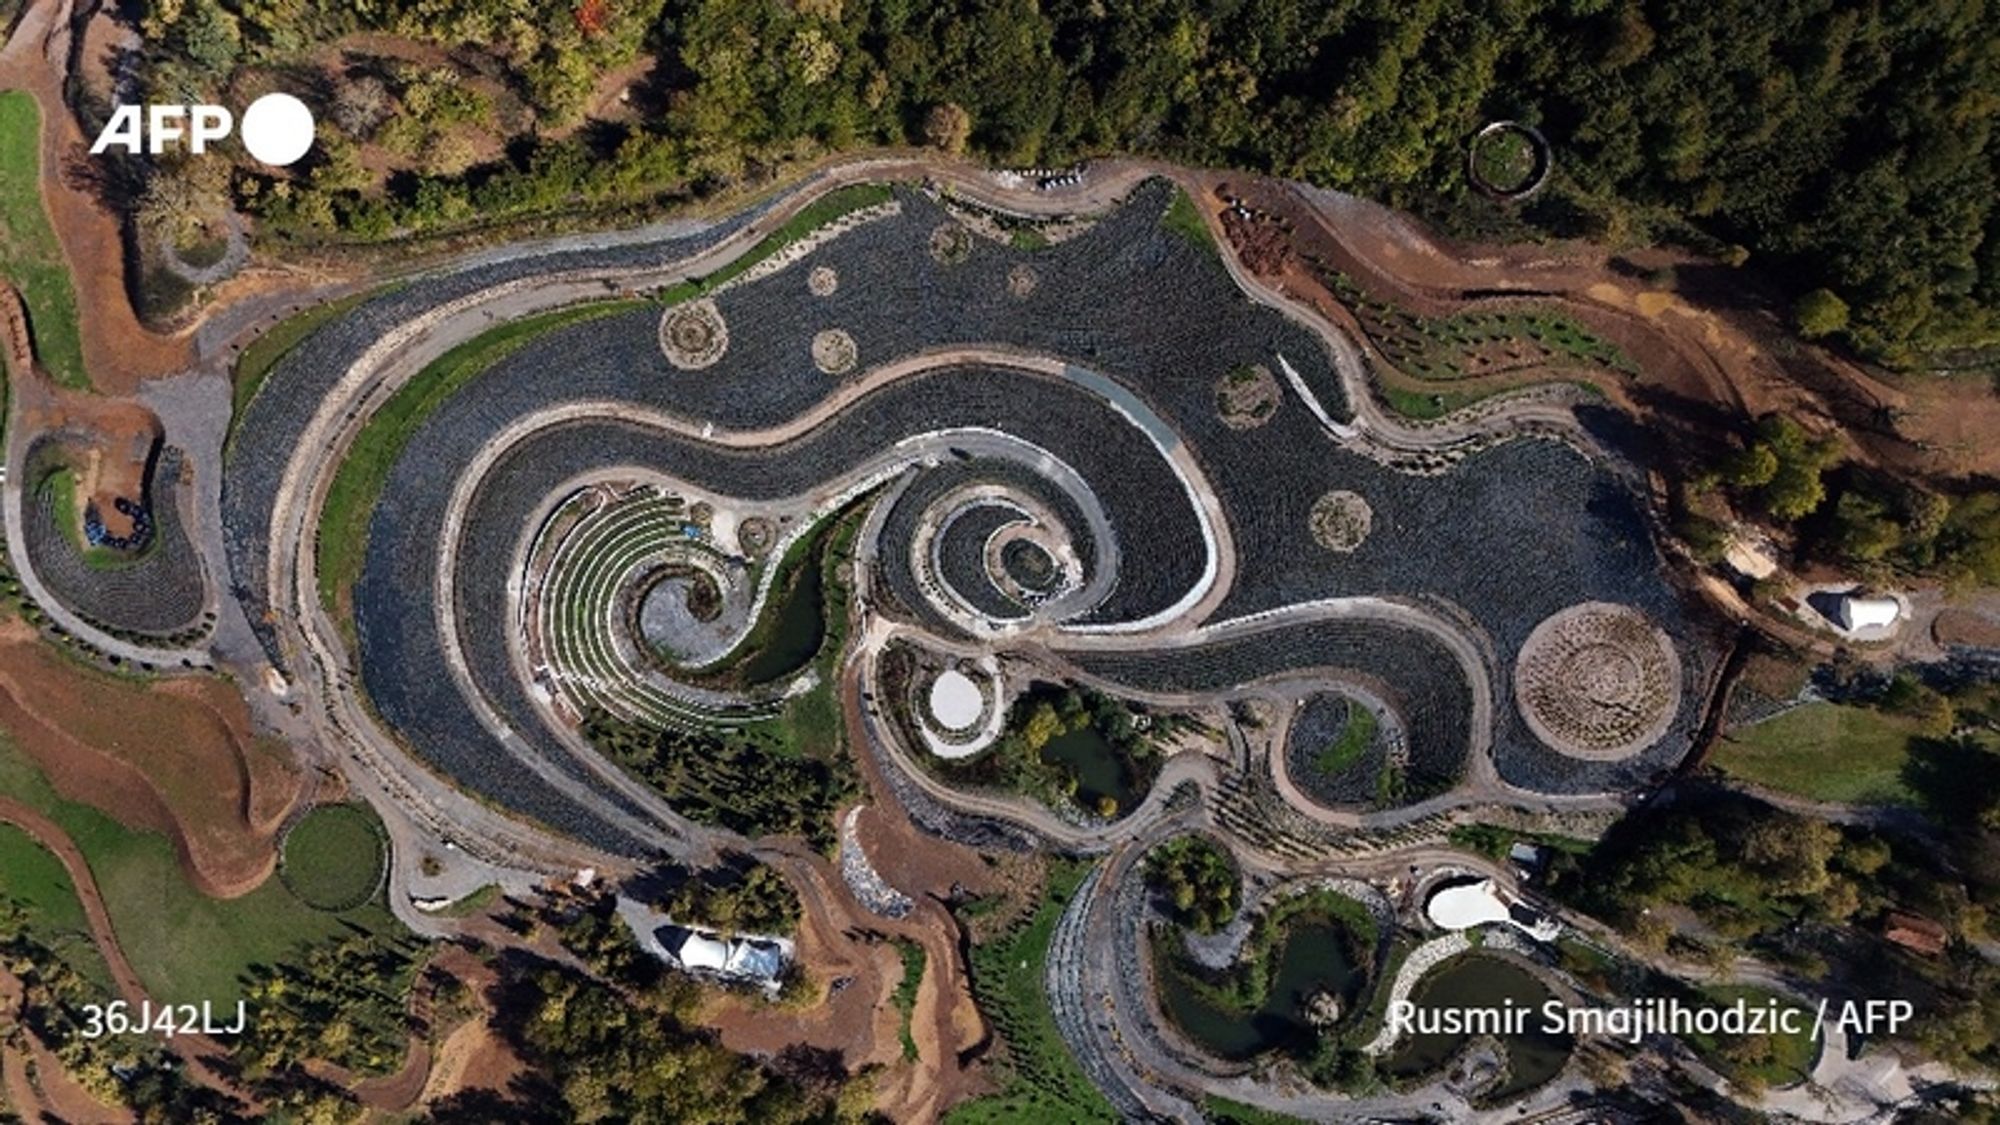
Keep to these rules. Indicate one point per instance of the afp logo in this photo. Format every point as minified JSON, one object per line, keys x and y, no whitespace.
{"x":277,"y":128}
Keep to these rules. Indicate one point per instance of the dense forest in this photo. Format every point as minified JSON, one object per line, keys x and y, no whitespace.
{"x":1844,"y":146}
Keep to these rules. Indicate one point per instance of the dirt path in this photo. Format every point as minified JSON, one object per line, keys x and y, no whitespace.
{"x":117,"y":351}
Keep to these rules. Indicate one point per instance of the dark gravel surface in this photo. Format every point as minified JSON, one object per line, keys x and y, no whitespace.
{"x":394,"y":613}
{"x":264,"y":438}
{"x":1411,"y":671}
{"x":159,"y":594}
{"x":1317,"y":727}
{"x":961,"y":554}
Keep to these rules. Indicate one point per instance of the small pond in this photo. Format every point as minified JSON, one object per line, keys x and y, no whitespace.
{"x":1315,"y":958}
{"x":1473,"y":981}
{"x":1100,"y":770}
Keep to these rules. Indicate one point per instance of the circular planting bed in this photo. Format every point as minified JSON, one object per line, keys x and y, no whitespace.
{"x":1508,"y":160}
{"x":951,"y":244}
{"x":754,"y":535}
{"x":1246,"y":397}
{"x":833,"y":352}
{"x":334,"y":857}
{"x":693,"y":335}
{"x":1598,"y":680}
{"x":822,"y":281}
{"x":1021,"y":280}
{"x":1341,"y":521}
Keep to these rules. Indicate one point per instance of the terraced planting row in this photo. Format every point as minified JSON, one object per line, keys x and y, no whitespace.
{"x":153,"y":593}
{"x":581,"y":619}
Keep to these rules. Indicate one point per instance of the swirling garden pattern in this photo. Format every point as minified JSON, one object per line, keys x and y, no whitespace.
{"x":1022,"y":451}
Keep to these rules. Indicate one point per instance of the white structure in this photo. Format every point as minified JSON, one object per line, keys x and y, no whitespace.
{"x":1858,"y":614}
{"x":956,"y":702}
{"x":752,"y":958}
{"x":1463,"y":906}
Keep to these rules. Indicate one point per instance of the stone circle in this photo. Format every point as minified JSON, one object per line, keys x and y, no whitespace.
{"x":1247,"y":397}
{"x":694,"y":335}
{"x":1021,"y":280}
{"x":951,"y":244}
{"x":833,"y":352}
{"x":822,"y":281}
{"x":1598,"y":680}
{"x":1341,"y":521}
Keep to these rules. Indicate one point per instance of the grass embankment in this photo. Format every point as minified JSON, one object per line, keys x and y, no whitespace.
{"x":30,"y":255}
{"x":59,"y":486}
{"x":35,"y":879}
{"x":1184,"y":219}
{"x":1042,"y":1080}
{"x":357,"y":486}
{"x":334,"y":856}
{"x":906,"y":992}
{"x":1222,"y":1111}
{"x":254,"y":365}
{"x":818,"y":213}
{"x":185,"y":946}
{"x":1825,"y":752}
{"x":1356,"y":736}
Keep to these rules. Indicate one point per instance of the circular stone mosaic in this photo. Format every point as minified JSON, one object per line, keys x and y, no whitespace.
{"x":1341,"y":521}
{"x":693,"y":335}
{"x":1021,"y":280}
{"x":833,"y":352}
{"x":951,"y":244}
{"x":1598,"y":680}
{"x":822,"y":281}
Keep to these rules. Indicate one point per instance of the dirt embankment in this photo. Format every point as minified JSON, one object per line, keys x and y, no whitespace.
{"x":1709,"y":341}
{"x":179,"y":758}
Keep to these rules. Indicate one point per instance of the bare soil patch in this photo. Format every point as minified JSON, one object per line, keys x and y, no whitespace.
{"x":179,"y":758}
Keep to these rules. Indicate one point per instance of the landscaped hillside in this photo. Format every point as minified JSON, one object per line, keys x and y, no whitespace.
{"x":1845,"y":145}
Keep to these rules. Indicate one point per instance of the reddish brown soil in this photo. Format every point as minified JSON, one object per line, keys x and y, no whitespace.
{"x":1966,"y":627}
{"x":117,"y":350}
{"x":178,"y":758}
{"x":1713,"y":343}
{"x":33,"y":1082}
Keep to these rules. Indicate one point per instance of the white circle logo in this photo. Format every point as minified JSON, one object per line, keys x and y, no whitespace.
{"x":277,"y":129}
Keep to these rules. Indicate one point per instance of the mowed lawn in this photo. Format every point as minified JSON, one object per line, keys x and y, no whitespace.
{"x":32,"y":877}
{"x":1826,"y":752}
{"x":30,"y":256}
{"x":185,"y":946}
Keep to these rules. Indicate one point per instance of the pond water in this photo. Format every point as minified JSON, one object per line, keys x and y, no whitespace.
{"x":1474,"y":981}
{"x":798,"y":631}
{"x":1100,"y":770}
{"x":1315,"y":958}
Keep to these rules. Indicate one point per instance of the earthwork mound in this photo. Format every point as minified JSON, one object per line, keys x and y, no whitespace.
{"x":693,"y":335}
{"x":1598,"y":681}
{"x":334,"y":858}
{"x":1341,"y":521}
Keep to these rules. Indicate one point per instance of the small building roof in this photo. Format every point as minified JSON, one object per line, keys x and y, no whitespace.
{"x":1915,"y":932}
{"x":697,"y":951}
{"x":1868,"y":613}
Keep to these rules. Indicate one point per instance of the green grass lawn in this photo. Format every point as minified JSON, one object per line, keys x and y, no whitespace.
{"x":1043,"y":1081}
{"x":1355,"y":738}
{"x":906,"y":992}
{"x":350,"y":501}
{"x":33,"y":877}
{"x":1184,"y":219}
{"x":334,"y":856}
{"x":1222,"y":1111}
{"x":1826,"y":752}
{"x":185,"y":946}
{"x":30,"y":256}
